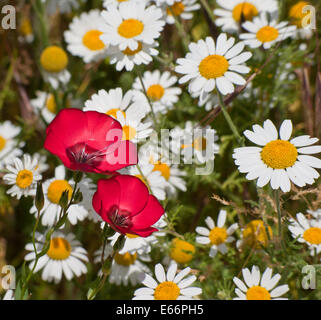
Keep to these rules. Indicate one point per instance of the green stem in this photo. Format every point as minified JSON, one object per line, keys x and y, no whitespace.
{"x":278,"y":208}
{"x":229,"y":120}
{"x":208,"y":10}
{"x":39,"y":9}
{"x":181,"y":30}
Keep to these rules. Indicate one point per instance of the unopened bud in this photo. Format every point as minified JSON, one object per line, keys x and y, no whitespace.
{"x":63,"y":201}
{"x":119,"y":244}
{"x":77,"y":176}
{"x":78,"y":197}
{"x":39,"y":199}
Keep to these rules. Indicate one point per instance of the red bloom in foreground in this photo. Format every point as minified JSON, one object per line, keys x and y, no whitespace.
{"x":89,"y":141}
{"x":125,"y":203}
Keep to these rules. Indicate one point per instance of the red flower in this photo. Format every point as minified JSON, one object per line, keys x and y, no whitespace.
{"x":89,"y":141}
{"x":125,"y":203}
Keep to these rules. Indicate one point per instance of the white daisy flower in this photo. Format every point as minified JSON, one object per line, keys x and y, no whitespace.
{"x":155,"y":180}
{"x":45,"y":104}
{"x":297,"y":16}
{"x":133,"y":128}
{"x":259,"y":288}
{"x":217,"y":236}
{"x":126,"y":267}
{"x":195,"y":143}
{"x":64,"y":6}
{"x":307,"y":231}
{"x":169,"y":286}
{"x":23,"y":175}
{"x":208,"y":66}
{"x":65,"y":256}
{"x":262,"y":32}
{"x":54,"y":62}
{"x":278,"y":160}
{"x":150,"y":153}
{"x":129,"y":58}
{"x":232,"y":12}
{"x":9,"y":146}
{"x":159,"y":89}
{"x":130,"y":23}
{"x":83,"y":37}
{"x":182,"y":9}
{"x":9,"y":295}
{"x":113,"y":101}
{"x":25,"y":30}
{"x":53,"y":189}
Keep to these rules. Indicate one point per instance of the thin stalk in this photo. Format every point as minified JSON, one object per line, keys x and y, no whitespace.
{"x":229,"y":120}
{"x":39,"y":9}
{"x":278,"y":209}
{"x":208,"y":10}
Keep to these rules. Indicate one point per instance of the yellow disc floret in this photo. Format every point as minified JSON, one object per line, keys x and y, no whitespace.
{"x":125,"y":259}
{"x":244,"y":10}
{"x":218,"y":236}
{"x":24,"y":178}
{"x":267,"y":34}
{"x":129,"y":132}
{"x":3,"y":142}
{"x":155,"y":92}
{"x":279,"y":154}
{"x":163,"y":168}
{"x":51,"y":103}
{"x":25,"y":27}
{"x":167,"y":290}
{"x":56,"y":188}
{"x":59,"y":249}
{"x":129,"y":52}
{"x":296,"y":13}
{"x":257,"y":293}
{"x":130,"y":28}
{"x":255,"y":233}
{"x":213,"y":66}
{"x":92,"y":41}
{"x":182,"y":251}
{"x":312,"y":235}
{"x":177,"y":8}
{"x":54,"y":59}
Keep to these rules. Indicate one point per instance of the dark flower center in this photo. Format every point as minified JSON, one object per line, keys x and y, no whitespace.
{"x":119,"y":218}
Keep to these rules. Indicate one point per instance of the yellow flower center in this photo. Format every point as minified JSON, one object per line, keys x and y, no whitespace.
{"x":177,"y":9}
{"x":59,"y":249}
{"x":218,"y":235}
{"x":56,"y":188}
{"x":125,"y":259}
{"x":246,"y":10}
{"x":91,"y":40}
{"x":155,"y":92}
{"x":213,"y":66}
{"x":163,"y":168}
{"x":255,"y":233}
{"x":130,"y":28}
{"x":267,"y":34}
{"x":129,"y":52}
{"x":312,"y":235}
{"x":54,"y":59}
{"x":25,"y":27}
{"x":182,"y":251}
{"x":167,"y":290}
{"x":24,"y":179}
{"x":279,"y":154}
{"x":131,"y":236}
{"x":129,"y":133}
{"x":257,"y":293}
{"x":296,"y":13}
{"x":200,"y":143}
{"x":113,"y":113}
{"x":51,"y":103}
{"x":3,"y":142}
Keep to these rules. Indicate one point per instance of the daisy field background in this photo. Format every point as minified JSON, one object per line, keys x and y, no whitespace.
{"x":237,"y":84}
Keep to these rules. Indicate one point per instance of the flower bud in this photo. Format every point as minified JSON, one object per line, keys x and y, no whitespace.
{"x":63,"y":202}
{"x":78,"y":197}
{"x":77,"y":176}
{"x":119,"y":244}
{"x":39,"y":199}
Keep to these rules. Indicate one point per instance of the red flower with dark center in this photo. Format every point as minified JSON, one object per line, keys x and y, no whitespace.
{"x":125,"y":203}
{"x":89,"y":141}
